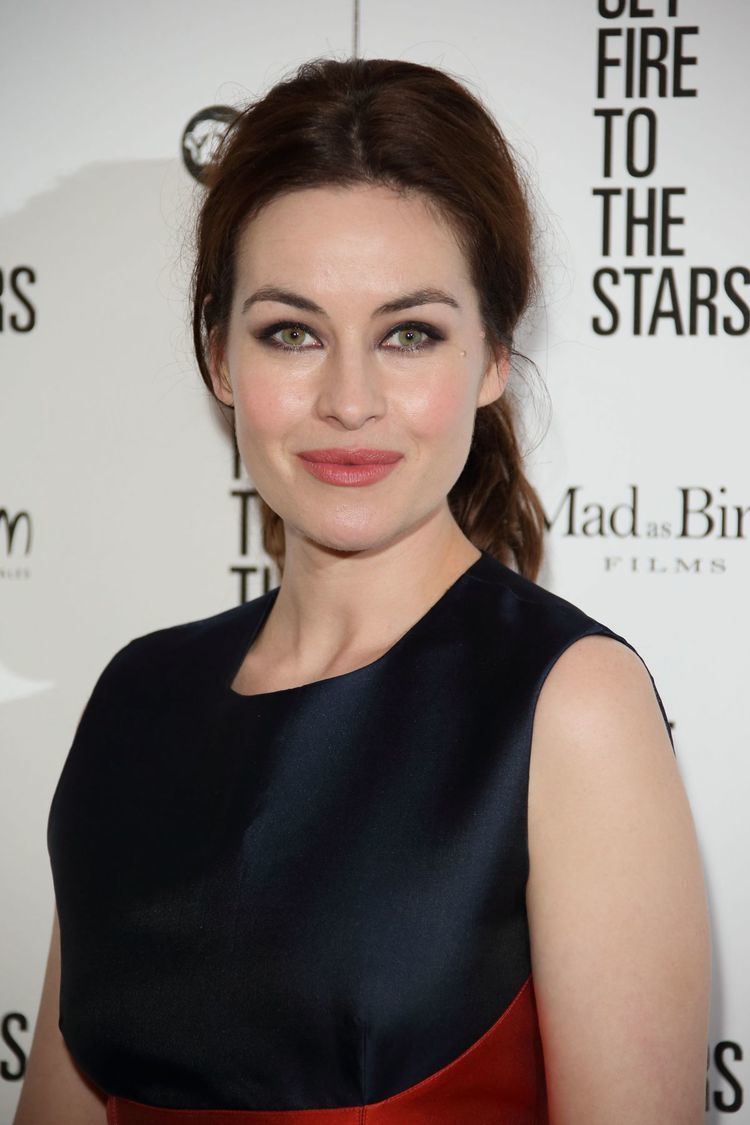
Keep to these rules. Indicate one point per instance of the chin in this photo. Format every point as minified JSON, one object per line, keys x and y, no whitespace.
{"x":346,"y":540}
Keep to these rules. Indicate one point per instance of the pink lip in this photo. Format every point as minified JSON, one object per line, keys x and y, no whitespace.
{"x":352,"y":456}
{"x":349,"y":467}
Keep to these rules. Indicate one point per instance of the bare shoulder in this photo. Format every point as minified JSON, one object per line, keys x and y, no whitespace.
{"x":616,"y":899}
{"x":600,"y":682}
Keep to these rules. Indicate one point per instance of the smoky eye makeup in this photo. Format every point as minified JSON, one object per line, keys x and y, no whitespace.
{"x":410,"y":329}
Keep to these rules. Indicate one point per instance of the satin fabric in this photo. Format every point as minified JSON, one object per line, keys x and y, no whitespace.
{"x":470,"y":1090}
{"x":308,"y":906}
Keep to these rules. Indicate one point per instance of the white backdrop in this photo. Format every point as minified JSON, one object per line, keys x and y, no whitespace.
{"x":120,"y":507}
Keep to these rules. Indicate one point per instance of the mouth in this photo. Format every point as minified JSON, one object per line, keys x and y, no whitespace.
{"x":351,"y":456}
{"x":349,"y":467}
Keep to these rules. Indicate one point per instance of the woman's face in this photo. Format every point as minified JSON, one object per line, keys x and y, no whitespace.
{"x":318,"y":364}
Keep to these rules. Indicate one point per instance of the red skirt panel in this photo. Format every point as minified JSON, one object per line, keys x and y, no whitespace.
{"x":498,"y":1080}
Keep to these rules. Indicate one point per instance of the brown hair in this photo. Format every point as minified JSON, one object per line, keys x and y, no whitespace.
{"x":409,"y":127}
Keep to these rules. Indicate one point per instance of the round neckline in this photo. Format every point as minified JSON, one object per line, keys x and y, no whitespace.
{"x":280,"y":693}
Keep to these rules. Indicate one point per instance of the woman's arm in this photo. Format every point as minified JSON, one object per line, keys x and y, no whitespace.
{"x":53,"y":1089}
{"x":618,"y":916}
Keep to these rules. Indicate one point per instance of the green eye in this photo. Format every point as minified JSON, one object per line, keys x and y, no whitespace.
{"x":290,"y":335}
{"x":408,"y":338}
{"x":295,"y":335}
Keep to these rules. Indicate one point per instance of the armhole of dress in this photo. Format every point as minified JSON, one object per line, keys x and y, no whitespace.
{"x":605,"y":631}
{"x":596,"y":629}
{"x":97,"y":698}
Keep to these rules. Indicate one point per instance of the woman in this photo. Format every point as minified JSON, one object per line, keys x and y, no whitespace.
{"x":403,"y":839}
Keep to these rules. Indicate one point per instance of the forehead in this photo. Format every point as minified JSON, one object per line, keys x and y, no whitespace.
{"x":363,"y":236}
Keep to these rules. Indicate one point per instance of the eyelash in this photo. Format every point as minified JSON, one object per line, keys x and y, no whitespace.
{"x":266,"y":335}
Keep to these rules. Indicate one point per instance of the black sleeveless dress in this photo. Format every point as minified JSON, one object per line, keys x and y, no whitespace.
{"x":309,"y":904}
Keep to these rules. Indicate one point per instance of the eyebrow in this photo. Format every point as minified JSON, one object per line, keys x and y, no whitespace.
{"x":406,"y":301}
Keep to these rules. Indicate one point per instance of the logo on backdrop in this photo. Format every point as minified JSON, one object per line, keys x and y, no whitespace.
{"x":15,"y":545}
{"x":201,"y":137}
{"x":252,"y":569}
{"x":643,"y":215}
{"x":724,"y":1090}
{"x":698,"y":515}
{"x":13,"y":1059}
{"x":11,"y":539}
{"x":17,"y":310}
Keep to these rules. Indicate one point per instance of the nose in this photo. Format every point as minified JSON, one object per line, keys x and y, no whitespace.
{"x":350,"y":387}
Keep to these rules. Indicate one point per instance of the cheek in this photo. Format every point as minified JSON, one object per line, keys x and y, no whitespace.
{"x":262,"y":412}
{"x":265,"y":408}
{"x":442,"y":411}
{"x":266,"y":402}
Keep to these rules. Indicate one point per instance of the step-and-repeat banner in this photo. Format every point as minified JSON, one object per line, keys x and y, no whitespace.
{"x":122,"y":508}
